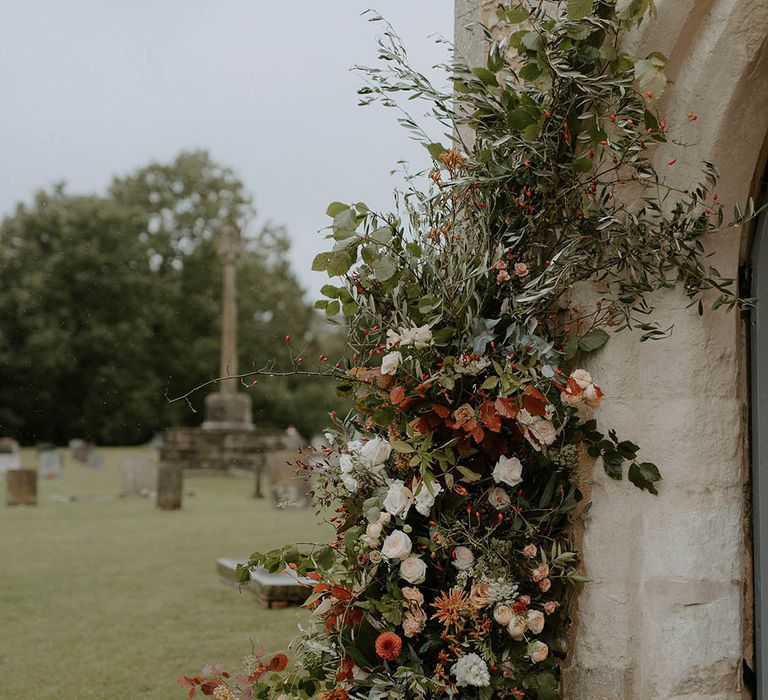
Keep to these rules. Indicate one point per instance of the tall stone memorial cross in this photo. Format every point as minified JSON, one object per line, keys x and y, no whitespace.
{"x":227,"y":407}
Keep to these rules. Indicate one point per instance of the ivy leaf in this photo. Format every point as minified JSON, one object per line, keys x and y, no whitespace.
{"x":644,"y":476}
{"x":593,"y":340}
{"x":579,"y":9}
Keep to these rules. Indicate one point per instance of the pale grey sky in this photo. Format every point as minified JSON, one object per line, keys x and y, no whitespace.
{"x":92,"y":88}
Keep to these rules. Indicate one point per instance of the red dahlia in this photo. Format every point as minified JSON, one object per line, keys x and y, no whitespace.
{"x":388,"y":646}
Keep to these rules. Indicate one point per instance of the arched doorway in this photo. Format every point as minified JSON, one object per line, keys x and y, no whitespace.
{"x":759,"y":381}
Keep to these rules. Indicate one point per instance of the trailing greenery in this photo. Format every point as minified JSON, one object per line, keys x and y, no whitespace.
{"x":454,"y":485}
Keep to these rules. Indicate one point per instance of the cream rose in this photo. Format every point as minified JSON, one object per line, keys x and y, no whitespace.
{"x":397,"y":546}
{"x":499,"y":498}
{"x":414,"y":621}
{"x":413,"y":570}
{"x":422,"y":337}
{"x":375,"y":452}
{"x":463,"y":558}
{"x":517,"y":627}
{"x":535,"y":621}
{"x":543,"y":431}
{"x":508,"y":470}
{"x":538,"y":651}
{"x":398,"y":500}
{"x":503,"y":614}
{"x":374,"y":557}
{"x":390,"y":362}
{"x":413,"y":595}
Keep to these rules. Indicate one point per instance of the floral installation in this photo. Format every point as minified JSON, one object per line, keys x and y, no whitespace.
{"x":453,"y":484}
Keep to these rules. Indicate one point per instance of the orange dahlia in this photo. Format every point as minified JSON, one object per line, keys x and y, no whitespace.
{"x":388,"y":646}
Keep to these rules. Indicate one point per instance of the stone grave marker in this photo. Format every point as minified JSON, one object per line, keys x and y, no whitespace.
{"x":95,"y":460}
{"x":270,"y":590}
{"x":170,"y":480}
{"x":48,"y":462}
{"x":288,"y":488}
{"x":138,"y":476}
{"x":80,"y":449}
{"x":10,"y":456}
{"x":21,"y":487}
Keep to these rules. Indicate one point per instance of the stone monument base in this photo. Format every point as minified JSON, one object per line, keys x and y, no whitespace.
{"x":228,"y":411}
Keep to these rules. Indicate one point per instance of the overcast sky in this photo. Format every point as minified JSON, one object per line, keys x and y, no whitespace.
{"x":92,"y":88}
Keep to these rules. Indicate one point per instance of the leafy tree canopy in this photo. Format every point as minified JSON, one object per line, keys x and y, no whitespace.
{"x":110,"y":303}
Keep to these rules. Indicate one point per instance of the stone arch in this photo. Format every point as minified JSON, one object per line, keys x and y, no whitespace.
{"x":668,"y":614}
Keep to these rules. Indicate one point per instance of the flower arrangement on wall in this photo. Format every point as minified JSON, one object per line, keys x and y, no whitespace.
{"x":452,"y":487}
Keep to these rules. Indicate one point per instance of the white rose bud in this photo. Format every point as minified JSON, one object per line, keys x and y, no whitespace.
{"x":374,"y":530}
{"x":499,"y":498}
{"x":397,"y":546}
{"x":463,"y":558}
{"x":508,"y":470}
{"x":413,"y":570}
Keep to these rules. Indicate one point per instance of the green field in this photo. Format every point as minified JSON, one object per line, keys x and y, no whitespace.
{"x":110,"y":598}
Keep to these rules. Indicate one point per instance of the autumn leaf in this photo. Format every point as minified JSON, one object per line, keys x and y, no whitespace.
{"x":490,"y":417}
{"x":396,"y":394}
{"x":505,"y":408}
{"x":534,"y":401}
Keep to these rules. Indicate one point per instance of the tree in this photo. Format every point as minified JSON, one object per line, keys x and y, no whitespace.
{"x":108,"y":303}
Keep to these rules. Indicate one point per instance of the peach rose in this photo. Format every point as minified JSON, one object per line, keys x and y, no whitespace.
{"x":479,"y":596}
{"x":545,"y":585}
{"x":540,"y":572}
{"x":530,"y":551}
{"x":503,"y":614}
{"x":414,"y":621}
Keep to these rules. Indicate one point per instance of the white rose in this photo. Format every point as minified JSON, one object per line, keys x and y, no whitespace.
{"x":503,"y":614}
{"x":374,"y":530}
{"x":375,"y":452}
{"x":525,"y":418}
{"x":397,"y":546}
{"x":350,"y":482}
{"x":422,"y":337}
{"x":413,"y":570}
{"x":424,"y":499}
{"x":398,"y":500}
{"x":499,"y":498}
{"x":393,"y":339}
{"x":517,"y":627}
{"x":354,"y":446}
{"x":535,"y":621}
{"x":538,"y":651}
{"x":346,"y":463}
{"x":543,"y":431}
{"x":390,"y":362}
{"x":508,"y":470}
{"x":407,"y":336}
{"x":463,"y":558}
{"x":384,"y":518}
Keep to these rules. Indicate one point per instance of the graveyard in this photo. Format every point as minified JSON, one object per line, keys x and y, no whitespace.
{"x":102,"y":594}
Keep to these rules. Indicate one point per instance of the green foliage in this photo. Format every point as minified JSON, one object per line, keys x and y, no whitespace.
{"x":108,"y":303}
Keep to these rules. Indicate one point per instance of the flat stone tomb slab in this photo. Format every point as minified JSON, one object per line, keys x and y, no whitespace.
{"x":270,"y":590}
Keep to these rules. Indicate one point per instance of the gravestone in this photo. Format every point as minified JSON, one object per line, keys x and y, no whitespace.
{"x":138,"y":476}
{"x":48,"y":462}
{"x":21,"y":487}
{"x":79,"y":450}
{"x":270,"y":590}
{"x":288,"y":487}
{"x":169,"y":486}
{"x":10,"y":456}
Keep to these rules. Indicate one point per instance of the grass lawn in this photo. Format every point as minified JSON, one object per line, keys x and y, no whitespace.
{"x":113,"y":599}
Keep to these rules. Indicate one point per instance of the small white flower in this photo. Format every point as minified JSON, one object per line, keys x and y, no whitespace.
{"x":463,"y":558}
{"x":422,"y":337}
{"x":471,"y":670}
{"x":398,"y":500}
{"x":390,"y":362}
{"x":397,"y":546}
{"x":508,"y":470}
{"x":424,"y":499}
{"x":413,"y":570}
{"x":393,"y":339}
